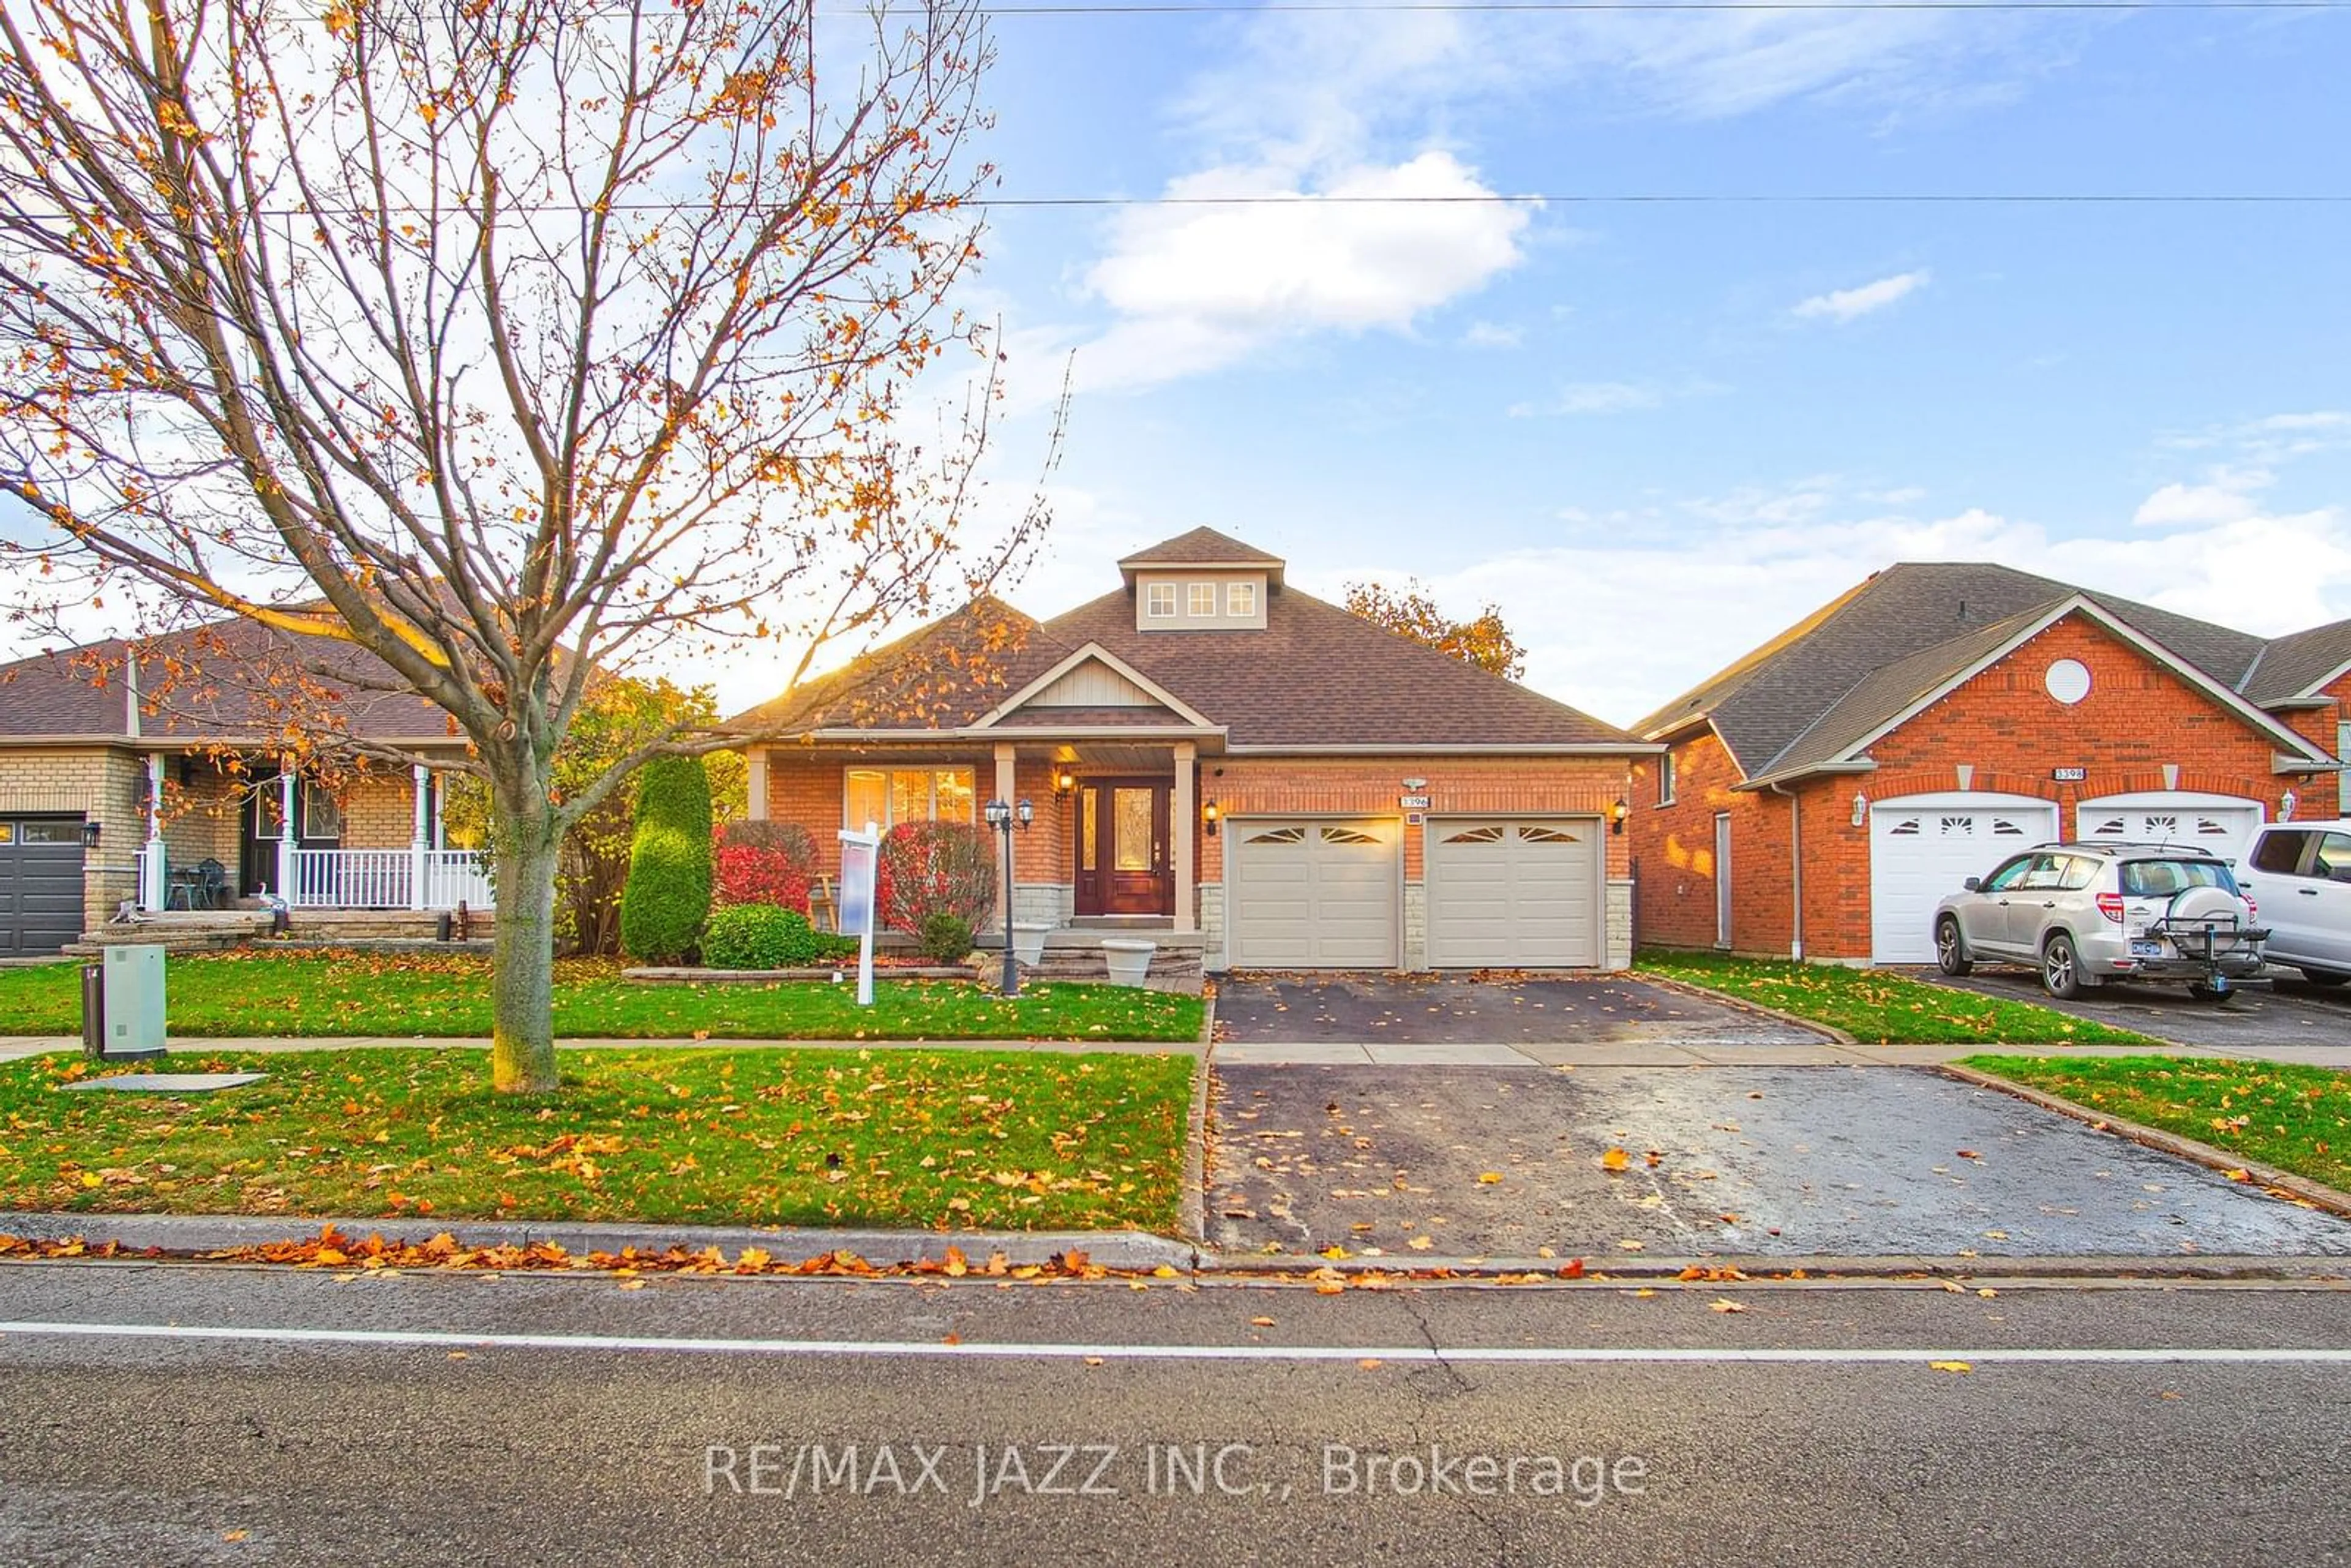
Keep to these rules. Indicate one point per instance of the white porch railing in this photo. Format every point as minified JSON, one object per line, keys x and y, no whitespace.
{"x":456,"y":876}
{"x":384,"y":879}
{"x":375,"y":879}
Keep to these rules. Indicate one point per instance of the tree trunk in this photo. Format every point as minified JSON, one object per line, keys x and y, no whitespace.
{"x":522,"y":985}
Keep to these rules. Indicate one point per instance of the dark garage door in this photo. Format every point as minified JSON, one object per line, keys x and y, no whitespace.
{"x":40,"y":882}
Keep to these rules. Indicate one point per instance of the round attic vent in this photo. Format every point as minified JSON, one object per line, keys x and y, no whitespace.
{"x":2068,"y":680}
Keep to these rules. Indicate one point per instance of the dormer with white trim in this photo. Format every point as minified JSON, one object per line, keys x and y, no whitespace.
{"x":1201,"y":581}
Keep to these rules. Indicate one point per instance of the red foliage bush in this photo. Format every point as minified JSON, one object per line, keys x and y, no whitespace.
{"x":935,"y":868}
{"x":764,"y":862}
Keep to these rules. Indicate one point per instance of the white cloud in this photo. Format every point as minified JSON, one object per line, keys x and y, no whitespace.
{"x":1198,"y":288}
{"x":1850,"y":304}
{"x":1487,"y":335}
{"x":1582,"y":397}
{"x":2193,"y":506}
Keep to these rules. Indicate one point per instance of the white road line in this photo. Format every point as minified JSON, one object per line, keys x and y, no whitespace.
{"x":1523,"y":1354}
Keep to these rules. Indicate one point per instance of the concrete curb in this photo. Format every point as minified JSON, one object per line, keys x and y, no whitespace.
{"x":2186,"y":1148}
{"x":1622,"y":1269}
{"x":1709,"y":994}
{"x":198,"y":1233}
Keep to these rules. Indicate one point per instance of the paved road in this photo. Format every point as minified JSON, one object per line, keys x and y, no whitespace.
{"x":1431,"y":1010}
{"x":2287,"y":1014}
{"x":1749,"y":1160}
{"x":188,"y":1451}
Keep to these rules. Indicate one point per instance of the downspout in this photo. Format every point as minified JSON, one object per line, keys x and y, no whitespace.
{"x":1796,"y":870}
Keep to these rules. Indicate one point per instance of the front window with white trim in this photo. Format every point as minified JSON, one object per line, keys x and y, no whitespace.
{"x":895,"y":795}
{"x":1159,"y":602}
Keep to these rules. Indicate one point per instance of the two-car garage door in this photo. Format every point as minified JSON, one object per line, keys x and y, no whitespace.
{"x":1501,"y":893}
{"x":40,"y":884}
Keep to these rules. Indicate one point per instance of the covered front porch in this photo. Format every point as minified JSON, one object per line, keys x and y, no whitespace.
{"x":225,"y":835}
{"x":1112,"y":847}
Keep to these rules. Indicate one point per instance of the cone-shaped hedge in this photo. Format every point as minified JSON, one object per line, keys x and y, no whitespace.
{"x":668,"y":895}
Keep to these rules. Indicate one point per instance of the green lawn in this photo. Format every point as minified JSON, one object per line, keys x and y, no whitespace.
{"x":1023,"y":1140}
{"x":1887,"y":1010}
{"x":2294,"y":1117}
{"x":258,"y":992}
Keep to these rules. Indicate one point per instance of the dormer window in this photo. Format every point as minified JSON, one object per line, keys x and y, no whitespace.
{"x":1240,"y":602}
{"x":1200,"y":600}
{"x":1159,"y":602}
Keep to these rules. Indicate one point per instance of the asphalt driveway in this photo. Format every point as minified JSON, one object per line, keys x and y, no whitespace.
{"x":1431,"y":1010}
{"x":1720,"y":1161}
{"x":2286,"y":1013}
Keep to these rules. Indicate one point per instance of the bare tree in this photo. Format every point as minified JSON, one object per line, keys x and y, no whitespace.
{"x":505,"y":340}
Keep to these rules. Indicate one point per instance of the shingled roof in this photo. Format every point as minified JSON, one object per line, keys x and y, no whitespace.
{"x":2294,"y":667}
{"x":246,"y":690}
{"x":1810,"y":694}
{"x":1313,"y":676}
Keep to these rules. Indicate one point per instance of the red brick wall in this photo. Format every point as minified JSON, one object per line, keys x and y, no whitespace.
{"x":2138,"y":717}
{"x":1457,"y":786}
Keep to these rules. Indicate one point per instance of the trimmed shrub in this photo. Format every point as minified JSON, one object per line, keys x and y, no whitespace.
{"x":668,"y":896}
{"x":762,"y":936}
{"x":945,"y":937}
{"x":935,"y":868}
{"x":764,"y":862}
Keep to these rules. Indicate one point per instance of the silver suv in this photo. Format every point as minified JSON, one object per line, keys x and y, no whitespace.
{"x":2087,"y":914}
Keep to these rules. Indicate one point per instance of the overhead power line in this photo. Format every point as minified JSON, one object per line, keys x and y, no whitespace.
{"x":1221,"y":8}
{"x":1699,"y":198}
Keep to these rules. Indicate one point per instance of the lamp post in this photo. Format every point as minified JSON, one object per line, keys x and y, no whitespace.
{"x":1001,"y":817}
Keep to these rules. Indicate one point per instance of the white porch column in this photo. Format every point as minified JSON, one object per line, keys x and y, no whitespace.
{"x":1184,"y":814}
{"x":755,"y":768}
{"x":1008,"y":789}
{"x":420,"y":838}
{"x":286,"y":832}
{"x":154,"y":873}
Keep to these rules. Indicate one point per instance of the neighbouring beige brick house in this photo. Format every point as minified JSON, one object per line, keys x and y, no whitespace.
{"x":1242,"y":770}
{"x":109,"y":797}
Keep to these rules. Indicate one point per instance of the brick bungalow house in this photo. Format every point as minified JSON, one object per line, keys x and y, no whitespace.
{"x":1818,"y":797}
{"x":1238,"y":770}
{"x":107,"y":796}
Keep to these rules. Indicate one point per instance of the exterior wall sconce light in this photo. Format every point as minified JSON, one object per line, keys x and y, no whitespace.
{"x":89,"y":834}
{"x":1064,"y":781}
{"x":1209,"y":813}
{"x":2286,"y":803}
{"x":1616,"y":815}
{"x":1001,"y":816}
{"x":1414,"y":786}
{"x":1860,"y":808}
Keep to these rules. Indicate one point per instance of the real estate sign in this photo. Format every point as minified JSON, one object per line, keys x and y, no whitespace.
{"x":860,"y":857}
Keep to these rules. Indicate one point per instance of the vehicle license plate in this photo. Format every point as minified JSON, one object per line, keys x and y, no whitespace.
{"x":2147,"y":949}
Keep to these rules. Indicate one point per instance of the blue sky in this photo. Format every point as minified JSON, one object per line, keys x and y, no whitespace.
{"x":1657,"y":434}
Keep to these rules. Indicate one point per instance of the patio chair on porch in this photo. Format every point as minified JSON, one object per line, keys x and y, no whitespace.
{"x":212,"y":884}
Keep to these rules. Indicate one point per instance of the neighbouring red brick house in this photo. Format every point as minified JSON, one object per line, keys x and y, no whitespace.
{"x":1818,"y":797}
{"x":1248,"y":772}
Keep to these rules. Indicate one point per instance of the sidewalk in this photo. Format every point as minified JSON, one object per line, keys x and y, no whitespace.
{"x":12,"y":1049}
{"x":1706,"y":1053}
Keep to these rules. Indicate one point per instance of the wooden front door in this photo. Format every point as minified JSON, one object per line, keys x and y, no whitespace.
{"x":1122,"y":867}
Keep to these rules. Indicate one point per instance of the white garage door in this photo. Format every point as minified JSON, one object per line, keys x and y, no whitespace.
{"x":1313,"y":895}
{"x":1922,"y":848}
{"x":1513,"y":894}
{"x":2222,"y":824}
